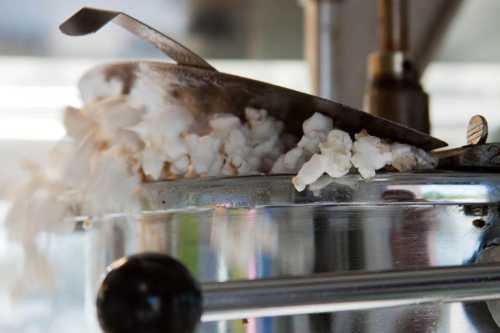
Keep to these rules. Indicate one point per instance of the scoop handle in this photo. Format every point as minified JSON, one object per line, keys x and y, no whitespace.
{"x":89,"y":20}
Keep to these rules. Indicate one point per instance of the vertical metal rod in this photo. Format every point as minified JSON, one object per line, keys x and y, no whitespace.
{"x":320,"y":26}
{"x":385,"y":25}
{"x":393,"y":25}
{"x":404,"y":23}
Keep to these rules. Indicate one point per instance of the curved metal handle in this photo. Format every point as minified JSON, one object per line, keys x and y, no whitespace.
{"x":89,"y":20}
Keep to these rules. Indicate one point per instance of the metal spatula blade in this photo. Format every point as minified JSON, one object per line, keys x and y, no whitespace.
{"x":206,"y":87}
{"x":89,"y":20}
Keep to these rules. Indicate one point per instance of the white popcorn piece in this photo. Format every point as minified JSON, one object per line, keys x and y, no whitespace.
{"x":370,"y":154}
{"x":228,"y":169}
{"x":180,"y":166}
{"x":236,"y":143}
{"x":113,"y":114}
{"x":315,"y":129}
{"x":223,"y":124}
{"x":294,"y":159}
{"x":310,"y":172}
{"x":317,"y":123}
{"x":337,"y":165}
{"x":333,"y":158}
{"x":158,"y":127}
{"x":203,"y":152}
{"x":146,"y":93}
{"x":279,"y":166}
{"x":289,"y":162}
{"x":174,"y":148}
{"x":407,"y":158}
{"x":215,"y":168}
{"x":37,"y":208}
{"x":337,"y":141}
{"x":94,"y":85}
{"x":270,"y":147}
{"x":77,"y":124}
{"x":403,"y":157}
{"x":262,"y":127}
{"x":310,"y":143}
{"x":254,"y":116}
{"x":129,"y":141}
{"x":152,"y":162}
{"x":75,"y":164}
{"x":113,"y":186}
{"x":337,"y":149}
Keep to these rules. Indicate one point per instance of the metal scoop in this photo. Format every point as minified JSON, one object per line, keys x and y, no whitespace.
{"x":200,"y":87}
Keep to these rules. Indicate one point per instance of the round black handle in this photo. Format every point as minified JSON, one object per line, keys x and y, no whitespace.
{"x":149,"y":293}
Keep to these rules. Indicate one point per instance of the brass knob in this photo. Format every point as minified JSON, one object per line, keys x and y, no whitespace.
{"x":477,"y":130}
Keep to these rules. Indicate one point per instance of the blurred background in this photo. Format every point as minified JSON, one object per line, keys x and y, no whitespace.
{"x":454,"y":42}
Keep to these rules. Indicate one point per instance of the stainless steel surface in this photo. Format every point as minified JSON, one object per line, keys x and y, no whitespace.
{"x":89,"y":20}
{"x":346,"y":292}
{"x":477,"y":130}
{"x":254,"y":228}
{"x":384,"y":190}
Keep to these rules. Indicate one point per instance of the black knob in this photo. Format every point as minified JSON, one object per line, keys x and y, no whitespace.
{"x":149,"y":293}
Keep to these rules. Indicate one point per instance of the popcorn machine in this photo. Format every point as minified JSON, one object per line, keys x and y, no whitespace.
{"x":413,"y":251}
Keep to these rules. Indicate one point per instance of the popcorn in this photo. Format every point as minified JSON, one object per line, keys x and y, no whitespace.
{"x":94,"y":86}
{"x":310,"y":172}
{"x":114,"y":185}
{"x":152,"y":130}
{"x":223,"y":124}
{"x":77,"y":124}
{"x":317,"y":123}
{"x":332,"y":152}
{"x":180,"y":166}
{"x":334,"y":159}
{"x":294,"y":159}
{"x":337,"y":150}
{"x":403,"y":157}
{"x":370,"y":154}
{"x":112,"y":114}
{"x":116,"y":142}
{"x":204,"y":151}
{"x":315,"y":129}
{"x":152,"y":162}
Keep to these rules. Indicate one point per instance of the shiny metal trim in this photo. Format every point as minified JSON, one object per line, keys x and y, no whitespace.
{"x":277,"y":190}
{"x":342,"y":292}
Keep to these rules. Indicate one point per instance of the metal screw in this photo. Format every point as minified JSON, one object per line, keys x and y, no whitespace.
{"x":477,"y":130}
{"x":479,"y":223}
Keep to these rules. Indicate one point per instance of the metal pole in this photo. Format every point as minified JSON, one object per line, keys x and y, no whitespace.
{"x":321,"y":24}
{"x":335,"y":292}
{"x":393,"y":25}
{"x":394,"y":91}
